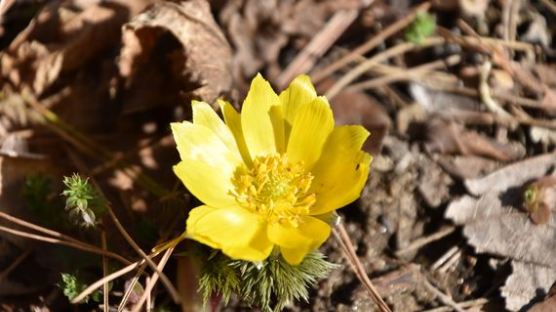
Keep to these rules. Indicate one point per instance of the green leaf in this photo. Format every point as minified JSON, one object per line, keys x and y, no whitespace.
{"x":422,"y":27}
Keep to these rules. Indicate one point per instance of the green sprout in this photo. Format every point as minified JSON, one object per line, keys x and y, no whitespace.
{"x":422,"y":27}
{"x":83,"y":203}
{"x":271,"y":284}
{"x":72,"y":285}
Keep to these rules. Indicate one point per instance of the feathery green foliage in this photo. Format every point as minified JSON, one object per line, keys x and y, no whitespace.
{"x":72,"y":286}
{"x":270,"y":285}
{"x":83,"y":203}
{"x":422,"y":27}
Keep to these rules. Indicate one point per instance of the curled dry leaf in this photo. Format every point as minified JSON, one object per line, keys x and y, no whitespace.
{"x":513,"y":175}
{"x":448,"y":137}
{"x":61,"y":39}
{"x":196,"y":56}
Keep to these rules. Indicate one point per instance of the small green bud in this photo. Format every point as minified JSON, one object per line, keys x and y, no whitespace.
{"x":83,"y":203}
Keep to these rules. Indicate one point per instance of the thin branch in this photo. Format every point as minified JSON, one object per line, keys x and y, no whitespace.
{"x":404,"y":74}
{"x":418,"y":243}
{"x":341,"y":234}
{"x":377,"y":58}
{"x":370,"y":44}
{"x":56,"y":239}
{"x":105,"y":288}
{"x":165,"y":280}
{"x":15,"y":263}
{"x":446,"y":299}
{"x":152,"y":281}
{"x":106,"y":279}
{"x":320,"y":43}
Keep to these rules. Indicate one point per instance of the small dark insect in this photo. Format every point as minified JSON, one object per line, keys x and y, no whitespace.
{"x":357,"y":166}
{"x":539,"y":199}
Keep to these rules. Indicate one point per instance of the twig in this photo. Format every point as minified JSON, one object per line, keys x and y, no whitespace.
{"x":550,"y":5}
{"x":447,"y":300}
{"x":15,"y":263}
{"x":165,"y":280}
{"x":444,"y":258}
{"x":56,"y":238}
{"x":486,"y":98}
{"x":341,"y":234}
{"x":320,"y":43}
{"x":105,"y":289}
{"x":94,"y":286}
{"x":463,"y":304}
{"x":402,"y":74}
{"x":152,"y":281}
{"x":130,"y":288}
{"x":382,"y":56}
{"x":418,"y":243}
{"x":371,"y":44}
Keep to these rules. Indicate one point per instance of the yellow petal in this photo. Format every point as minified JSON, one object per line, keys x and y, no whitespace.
{"x":341,"y":172}
{"x":209,"y":184}
{"x":277,"y":118}
{"x":207,"y":164}
{"x":300,"y":92}
{"x":204,"y":115}
{"x":233,"y":121}
{"x":237,"y":232}
{"x":312,"y":125}
{"x":309,"y":234}
{"x":255,"y":119}
{"x":294,"y":256}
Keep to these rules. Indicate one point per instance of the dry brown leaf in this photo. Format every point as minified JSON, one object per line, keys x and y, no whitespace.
{"x":504,"y":229}
{"x":549,"y":302}
{"x":526,"y":283}
{"x":513,"y":175}
{"x":195,"y":60}
{"x":448,"y":137}
{"x":496,"y":223}
{"x":61,"y":39}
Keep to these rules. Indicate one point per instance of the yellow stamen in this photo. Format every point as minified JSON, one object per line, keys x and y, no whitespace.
{"x":275,"y":189}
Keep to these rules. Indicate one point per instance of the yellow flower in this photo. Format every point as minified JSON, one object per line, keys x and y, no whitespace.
{"x":270,"y":176}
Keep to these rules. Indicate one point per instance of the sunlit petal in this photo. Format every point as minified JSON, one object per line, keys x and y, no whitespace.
{"x":299,"y":92}
{"x":239,"y":233}
{"x":342,"y":170}
{"x":255,"y":118}
{"x":233,"y":121}
{"x":312,"y":125}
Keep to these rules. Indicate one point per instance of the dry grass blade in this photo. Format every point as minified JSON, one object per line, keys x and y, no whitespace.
{"x":94,"y":286}
{"x":305,"y":60}
{"x":15,"y":263}
{"x":382,"y":56}
{"x":447,"y":300}
{"x":130,"y":288}
{"x":105,"y":287}
{"x":403,"y":74}
{"x":371,"y":44}
{"x":152,"y":281}
{"x":165,"y":280}
{"x":426,"y":240}
{"x":341,"y":234}
{"x":56,"y":238}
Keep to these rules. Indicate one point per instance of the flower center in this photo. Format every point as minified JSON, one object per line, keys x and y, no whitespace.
{"x":275,"y":189}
